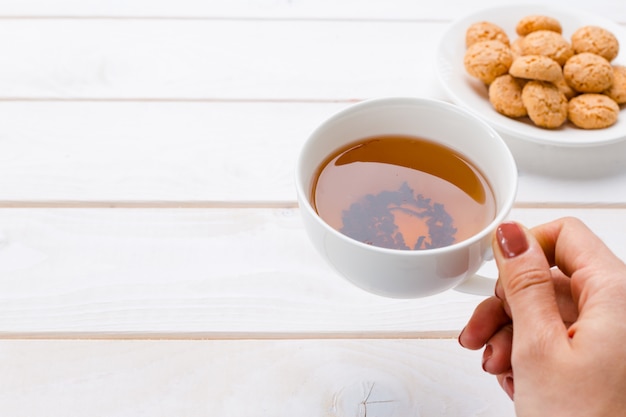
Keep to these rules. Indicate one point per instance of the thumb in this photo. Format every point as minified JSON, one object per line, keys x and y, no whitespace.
{"x":526,"y":280}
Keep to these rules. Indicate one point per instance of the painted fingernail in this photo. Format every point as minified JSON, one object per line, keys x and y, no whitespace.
{"x":486,"y":356}
{"x":511,"y":239}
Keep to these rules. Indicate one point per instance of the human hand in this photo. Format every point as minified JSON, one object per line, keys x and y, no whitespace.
{"x":555,"y":332}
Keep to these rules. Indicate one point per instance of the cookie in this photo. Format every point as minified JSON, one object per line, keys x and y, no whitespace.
{"x":593,"y":111}
{"x":534,"y":23}
{"x":546,"y":105}
{"x":596,"y":40}
{"x":565,"y":88}
{"x":588,"y":73}
{"x":487,"y":60}
{"x":547,"y":43}
{"x":536,"y":67}
{"x":618,"y":90}
{"x":505,"y":95}
{"x":485,"y":31}
{"x":516,"y":47}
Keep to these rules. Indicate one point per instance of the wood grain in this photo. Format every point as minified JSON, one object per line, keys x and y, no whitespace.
{"x":247,"y":378}
{"x":216,"y":154}
{"x":216,"y":59}
{"x":286,"y":9}
{"x":208,"y":273}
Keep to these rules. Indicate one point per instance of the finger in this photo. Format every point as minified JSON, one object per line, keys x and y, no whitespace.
{"x":497,"y":354}
{"x":526,"y":279}
{"x":568,"y":307}
{"x":499,"y":291}
{"x":564,"y":300}
{"x":507,"y":383}
{"x":488,"y":317}
{"x":594,"y":270}
{"x":571,"y":246}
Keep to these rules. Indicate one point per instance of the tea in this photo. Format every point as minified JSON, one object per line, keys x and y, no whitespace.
{"x":402,"y":192}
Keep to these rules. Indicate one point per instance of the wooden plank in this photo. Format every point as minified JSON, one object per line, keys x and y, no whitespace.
{"x":207,"y":153}
{"x":151,"y":151}
{"x":216,"y":59}
{"x":317,"y":9}
{"x":121,"y":59}
{"x":225,"y":273}
{"x":246,"y":378}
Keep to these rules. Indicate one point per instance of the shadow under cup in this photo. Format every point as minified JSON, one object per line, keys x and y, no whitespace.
{"x":407,"y":273}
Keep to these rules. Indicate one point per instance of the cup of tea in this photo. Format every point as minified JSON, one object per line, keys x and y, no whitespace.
{"x":401,"y":196}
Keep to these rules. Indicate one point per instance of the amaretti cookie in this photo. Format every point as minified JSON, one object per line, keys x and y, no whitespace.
{"x":565,"y":88}
{"x":548,"y":43}
{"x":596,"y":40}
{"x":516,"y":47}
{"x":546,"y":105}
{"x":533,"y":23}
{"x":618,"y":90}
{"x":487,"y":60}
{"x":536,"y":67}
{"x":588,"y":73}
{"x":592,"y":111}
{"x":485,"y":31}
{"x":505,"y":95}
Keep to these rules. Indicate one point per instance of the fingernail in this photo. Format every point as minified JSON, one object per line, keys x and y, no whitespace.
{"x":508,"y":386}
{"x":486,"y":356}
{"x":511,"y":239}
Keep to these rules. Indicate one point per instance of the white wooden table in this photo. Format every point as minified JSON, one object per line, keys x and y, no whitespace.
{"x":152,"y":258}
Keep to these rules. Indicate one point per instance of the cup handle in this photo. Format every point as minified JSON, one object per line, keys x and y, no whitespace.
{"x":477,"y":285}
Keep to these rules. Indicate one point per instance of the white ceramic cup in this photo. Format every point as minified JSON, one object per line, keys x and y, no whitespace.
{"x":409,"y":273}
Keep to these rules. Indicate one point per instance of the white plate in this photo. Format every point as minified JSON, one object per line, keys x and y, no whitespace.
{"x":471,"y":93}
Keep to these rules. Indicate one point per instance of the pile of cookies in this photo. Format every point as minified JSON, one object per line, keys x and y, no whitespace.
{"x":544,"y":76}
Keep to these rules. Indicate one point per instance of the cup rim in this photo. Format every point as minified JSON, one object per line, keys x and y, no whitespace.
{"x":503,"y":209}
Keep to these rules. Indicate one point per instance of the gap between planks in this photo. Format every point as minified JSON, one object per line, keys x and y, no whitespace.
{"x":313,"y":335}
{"x":178,"y":99}
{"x":228,"y":18}
{"x":208,"y":204}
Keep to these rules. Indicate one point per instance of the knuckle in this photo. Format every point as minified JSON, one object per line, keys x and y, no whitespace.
{"x":527,"y":280}
{"x":572,"y":221}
